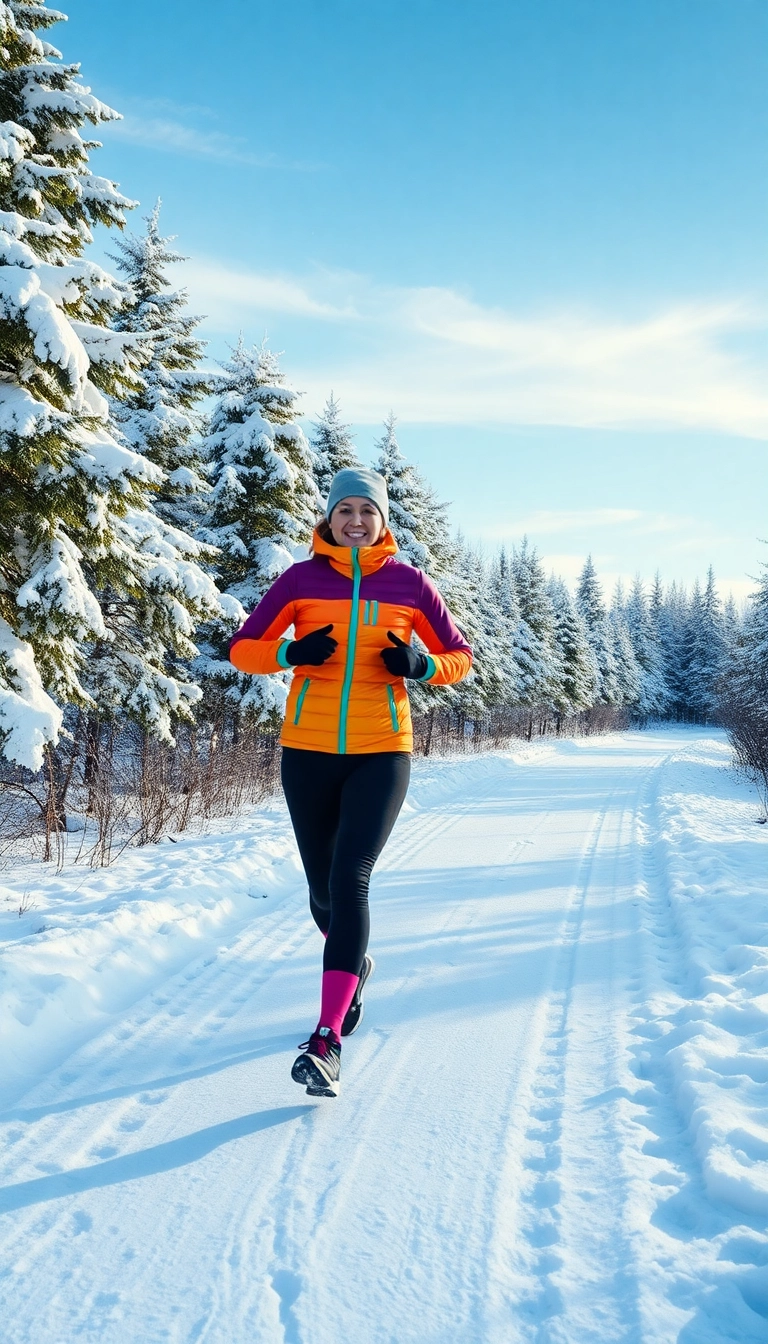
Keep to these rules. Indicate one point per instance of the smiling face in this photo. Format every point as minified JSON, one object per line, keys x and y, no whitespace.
{"x":356,"y":522}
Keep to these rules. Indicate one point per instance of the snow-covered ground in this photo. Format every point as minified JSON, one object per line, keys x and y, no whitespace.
{"x":553,"y":1119}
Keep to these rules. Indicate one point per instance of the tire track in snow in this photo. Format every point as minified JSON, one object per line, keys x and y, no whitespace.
{"x":526,"y":1252}
{"x":566,"y":1268}
{"x":688,"y":1239}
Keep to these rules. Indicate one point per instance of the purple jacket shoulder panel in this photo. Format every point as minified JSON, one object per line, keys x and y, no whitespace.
{"x":434,"y":610}
{"x":281,"y":593}
{"x":395,"y":582}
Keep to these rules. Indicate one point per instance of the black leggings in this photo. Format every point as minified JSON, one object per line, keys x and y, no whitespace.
{"x":343,"y":809}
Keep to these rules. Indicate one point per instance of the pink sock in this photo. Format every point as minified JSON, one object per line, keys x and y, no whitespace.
{"x":337,"y":992}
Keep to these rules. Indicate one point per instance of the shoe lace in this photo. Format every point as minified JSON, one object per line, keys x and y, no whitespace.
{"x":320,"y":1045}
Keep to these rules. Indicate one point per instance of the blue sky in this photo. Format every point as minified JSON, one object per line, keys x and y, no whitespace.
{"x":534,"y":231}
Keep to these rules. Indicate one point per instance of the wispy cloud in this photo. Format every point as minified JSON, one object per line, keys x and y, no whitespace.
{"x":231,"y":298}
{"x":174,"y":137}
{"x":550,"y":522}
{"x":437,"y":356}
{"x":176,"y":129}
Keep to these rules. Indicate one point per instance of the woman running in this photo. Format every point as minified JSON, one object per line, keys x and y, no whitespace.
{"x":347,"y":737}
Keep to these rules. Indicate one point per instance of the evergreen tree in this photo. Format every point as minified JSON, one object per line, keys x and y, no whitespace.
{"x":575,"y":689}
{"x":332,"y":447}
{"x":694,"y":658}
{"x":589,"y":600}
{"x":628,"y":671}
{"x":670,"y":612}
{"x":163,"y":418}
{"x":656,"y":601}
{"x":473,"y":606}
{"x":753,"y":643}
{"x":702,"y":646}
{"x":743,"y":690}
{"x":653,"y":697}
{"x":263,"y":506}
{"x":417,"y":518}
{"x":536,"y":653}
{"x":713,"y":625}
{"x":502,"y":601}
{"x":76,"y":517}
{"x":732,"y":626}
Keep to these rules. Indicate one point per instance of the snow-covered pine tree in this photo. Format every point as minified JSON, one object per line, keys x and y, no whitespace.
{"x":54,"y":445}
{"x":733,"y":625}
{"x":753,"y":643}
{"x":703,"y":650}
{"x":713,"y":623}
{"x":536,"y":653}
{"x":263,"y":506}
{"x":589,"y":600}
{"x":654,"y":696}
{"x":502,"y":603}
{"x":629,"y":674}
{"x":332,"y":446}
{"x":669,"y":611}
{"x":694,"y":657}
{"x":473,"y":607}
{"x":495,"y":670}
{"x":417,"y":518}
{"x":75,"y":504}
{"x":743,"y":690}
{"x":575,"y":689}
{"x":163,"y":418}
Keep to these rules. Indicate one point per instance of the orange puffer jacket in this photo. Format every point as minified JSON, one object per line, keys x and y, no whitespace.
{"x":351,"y":703}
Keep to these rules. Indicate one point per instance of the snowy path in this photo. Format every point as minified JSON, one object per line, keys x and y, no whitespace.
{"x":550,"y":1125}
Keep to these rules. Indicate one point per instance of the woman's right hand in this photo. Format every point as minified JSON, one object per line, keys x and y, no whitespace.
{"x":311,"y":650}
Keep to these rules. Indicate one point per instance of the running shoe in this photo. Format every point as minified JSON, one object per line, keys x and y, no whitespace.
{"x":320,"y":1064}
{"x":354,"y":1014}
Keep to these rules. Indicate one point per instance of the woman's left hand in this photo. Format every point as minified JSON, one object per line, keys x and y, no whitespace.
{"x":404,"y":661}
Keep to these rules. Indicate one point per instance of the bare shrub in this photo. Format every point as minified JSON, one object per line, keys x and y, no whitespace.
{"x":743,"y":711}
{"x":144,"y":789}
{"x":114,"y":786}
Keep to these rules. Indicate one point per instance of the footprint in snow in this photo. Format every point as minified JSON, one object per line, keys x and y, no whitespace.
{"x":129,"y":1126}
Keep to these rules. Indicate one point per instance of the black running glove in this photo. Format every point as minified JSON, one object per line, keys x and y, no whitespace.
{"x":313,"y":650}
{"x":403,"y":661}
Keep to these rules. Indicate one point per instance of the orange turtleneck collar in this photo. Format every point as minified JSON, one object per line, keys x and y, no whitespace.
{"x":370,"y":558}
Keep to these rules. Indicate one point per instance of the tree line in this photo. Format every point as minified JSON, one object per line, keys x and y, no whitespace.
{"x":147,"y":503}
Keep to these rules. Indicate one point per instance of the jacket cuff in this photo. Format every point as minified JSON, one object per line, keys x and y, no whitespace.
{"x":431,"y":669}
{"x":282,"y":649}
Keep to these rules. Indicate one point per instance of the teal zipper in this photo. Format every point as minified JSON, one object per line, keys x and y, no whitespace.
{"x":393,"y":710}
{"x":300,"y":700}
{"x":350,"y":663}
{"x":375,"y":619}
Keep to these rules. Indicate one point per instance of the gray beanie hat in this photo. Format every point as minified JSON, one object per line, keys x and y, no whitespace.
{"x":361,"y":481}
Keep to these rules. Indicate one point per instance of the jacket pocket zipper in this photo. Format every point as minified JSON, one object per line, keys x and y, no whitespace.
{"x":300,"y":700}
{"x":393,"y":710}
